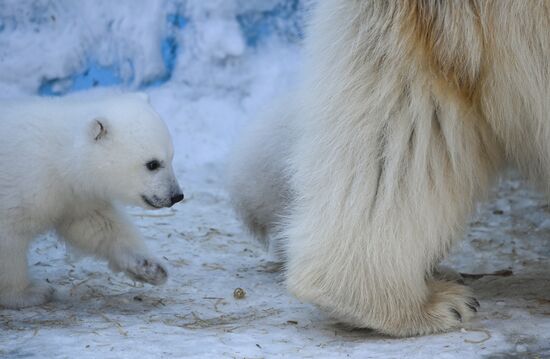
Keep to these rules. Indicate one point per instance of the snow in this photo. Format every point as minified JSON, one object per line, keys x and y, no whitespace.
{"x":208,"y":67}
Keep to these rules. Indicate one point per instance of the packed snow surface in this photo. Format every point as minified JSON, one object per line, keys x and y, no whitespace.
{"x":208,"y":67}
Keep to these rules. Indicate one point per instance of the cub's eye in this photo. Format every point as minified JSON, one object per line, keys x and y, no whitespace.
{"x":153,"y":165}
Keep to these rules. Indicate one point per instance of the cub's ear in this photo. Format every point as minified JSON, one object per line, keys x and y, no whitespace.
{"x":99,"y":129}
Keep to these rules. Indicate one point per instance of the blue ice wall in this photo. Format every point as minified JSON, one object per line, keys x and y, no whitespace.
{"x":282,"y":20}
{"x":97,"y":75}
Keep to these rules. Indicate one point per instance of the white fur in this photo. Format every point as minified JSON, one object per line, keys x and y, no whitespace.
{"x":65,"y":164}
{"x":407,"y":111}
{"x":257,"y":181}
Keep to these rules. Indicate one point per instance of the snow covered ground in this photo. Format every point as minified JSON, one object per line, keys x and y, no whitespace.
{"x":208,"y":66}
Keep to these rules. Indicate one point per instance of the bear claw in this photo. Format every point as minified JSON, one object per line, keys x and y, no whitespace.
{"x":457,"y":314}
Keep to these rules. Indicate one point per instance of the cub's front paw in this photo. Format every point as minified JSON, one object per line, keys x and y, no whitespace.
{"x":33,"y":294}
{"x":147,"y":270}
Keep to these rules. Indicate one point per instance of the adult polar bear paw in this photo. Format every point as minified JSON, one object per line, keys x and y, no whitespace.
{"x":440,"y":307}
{"x":449,"y":306}
{"x":31,"y":295}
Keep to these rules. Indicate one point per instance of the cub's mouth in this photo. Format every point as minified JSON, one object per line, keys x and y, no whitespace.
{"x":151,"y":203}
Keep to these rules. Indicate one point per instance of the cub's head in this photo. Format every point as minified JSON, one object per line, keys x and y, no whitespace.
{"x":131,"y":152}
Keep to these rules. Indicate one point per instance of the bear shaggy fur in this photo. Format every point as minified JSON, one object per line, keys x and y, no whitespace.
{"x":369,"y":171}
{"x":64,"y":163}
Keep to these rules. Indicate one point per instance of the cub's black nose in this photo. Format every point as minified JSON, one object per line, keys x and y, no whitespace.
{"x":177,"y":198}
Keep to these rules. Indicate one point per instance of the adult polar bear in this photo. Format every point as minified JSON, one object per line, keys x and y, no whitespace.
{"x":64,"y":163}
{"x":406,"y":112}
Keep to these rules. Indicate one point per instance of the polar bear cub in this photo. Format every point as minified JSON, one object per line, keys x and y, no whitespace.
{"x":65,"y":165}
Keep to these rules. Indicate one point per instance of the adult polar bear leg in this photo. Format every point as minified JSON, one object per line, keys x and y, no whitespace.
{"x":378,"y":210}
{"x":392,"y":153}
{"x":16,"y":290}
{"x":106,"y":232}
{"x":258,"y":180}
